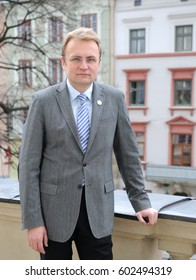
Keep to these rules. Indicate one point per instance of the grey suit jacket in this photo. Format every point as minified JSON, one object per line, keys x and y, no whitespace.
{"x":52,"y":164}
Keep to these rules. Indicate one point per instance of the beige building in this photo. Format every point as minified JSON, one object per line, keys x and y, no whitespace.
{"x":35,"y":50}
{"x":4,"y":158}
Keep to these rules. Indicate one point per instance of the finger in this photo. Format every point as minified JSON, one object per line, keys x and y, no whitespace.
{"x":40,"y":247}
{"x":45,"y":239}
{"x":141,"y":219}
{"x":153,"y":219}
{"x":33,"y":245}
{"x":37,"y":245}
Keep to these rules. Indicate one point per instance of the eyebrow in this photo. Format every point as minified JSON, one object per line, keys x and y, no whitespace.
{"x":89,"y":56}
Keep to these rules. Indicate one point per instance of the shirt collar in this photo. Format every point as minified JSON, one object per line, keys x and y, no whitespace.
{"x":74,"y":93}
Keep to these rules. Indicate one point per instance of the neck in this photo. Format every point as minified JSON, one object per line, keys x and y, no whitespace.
{"x":80,"y":88}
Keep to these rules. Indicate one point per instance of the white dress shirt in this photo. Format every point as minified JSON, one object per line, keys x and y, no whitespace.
{"x":73,"y":94}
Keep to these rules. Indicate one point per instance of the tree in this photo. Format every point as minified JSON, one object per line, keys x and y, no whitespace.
{"x":27,"y":42}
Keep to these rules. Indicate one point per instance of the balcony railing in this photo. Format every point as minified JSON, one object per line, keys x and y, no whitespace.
{"x":173,"y":233}
{"x":170,"y":174}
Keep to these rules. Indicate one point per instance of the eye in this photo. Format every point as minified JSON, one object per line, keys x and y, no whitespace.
{"x":76,"y":59}
{"x":91,"y":60}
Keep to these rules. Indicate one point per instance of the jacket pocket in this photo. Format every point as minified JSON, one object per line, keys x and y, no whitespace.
{"x":48,"y":188}
{"x":109,"y":186}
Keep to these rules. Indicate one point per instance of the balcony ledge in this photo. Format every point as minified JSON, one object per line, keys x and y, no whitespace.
{"x":173,"y":233}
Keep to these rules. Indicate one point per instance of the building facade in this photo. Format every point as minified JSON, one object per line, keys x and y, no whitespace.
{"x":37,"y":33}
{"x":149,"y":51}
{"x":5,"y":157}
{"x":155,"y":65}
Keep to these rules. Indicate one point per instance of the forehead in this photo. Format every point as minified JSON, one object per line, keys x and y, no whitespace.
{"x":82,"y":48}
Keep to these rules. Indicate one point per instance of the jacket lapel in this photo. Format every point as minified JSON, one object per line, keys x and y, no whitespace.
{"x":63,"y":100}
{"x":98,"y":99}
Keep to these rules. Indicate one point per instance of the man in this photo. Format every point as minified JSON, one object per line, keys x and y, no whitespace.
{"x":66,"y":182}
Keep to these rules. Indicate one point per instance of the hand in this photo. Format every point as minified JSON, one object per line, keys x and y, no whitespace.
{"x":148,"y":216}
{"x":38,"y":238}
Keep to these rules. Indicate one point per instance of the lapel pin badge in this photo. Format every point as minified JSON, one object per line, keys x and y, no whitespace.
{"x":99,"y":102}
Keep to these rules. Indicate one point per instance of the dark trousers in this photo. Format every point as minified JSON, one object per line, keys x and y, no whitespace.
{"x":88,"y":247}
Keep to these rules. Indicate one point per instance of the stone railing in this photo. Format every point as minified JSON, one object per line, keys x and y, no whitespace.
{"x":174,"y":232}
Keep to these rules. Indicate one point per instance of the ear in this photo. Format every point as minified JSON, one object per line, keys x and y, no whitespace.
{"x":63,"y":63}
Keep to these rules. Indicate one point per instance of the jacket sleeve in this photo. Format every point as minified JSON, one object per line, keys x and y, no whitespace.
{"x":127,"y":156}
{"x":29,"y":166}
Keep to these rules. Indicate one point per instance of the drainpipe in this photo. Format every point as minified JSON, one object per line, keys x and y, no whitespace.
{"x":112,"y":4}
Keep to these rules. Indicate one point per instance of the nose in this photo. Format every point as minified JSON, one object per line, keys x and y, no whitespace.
{"x":83,"y":64}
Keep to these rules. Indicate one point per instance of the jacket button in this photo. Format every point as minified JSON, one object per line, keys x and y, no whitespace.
{"x":84,"y":164}
{"x":79,"y":186}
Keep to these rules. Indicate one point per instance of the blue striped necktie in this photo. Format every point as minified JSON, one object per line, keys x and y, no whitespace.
{"x":83,"y":122}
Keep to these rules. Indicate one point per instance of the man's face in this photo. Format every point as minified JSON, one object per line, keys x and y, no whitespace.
{"x":81,"y":63}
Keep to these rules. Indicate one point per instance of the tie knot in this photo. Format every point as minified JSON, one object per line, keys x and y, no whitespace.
{"x":82,"y":97}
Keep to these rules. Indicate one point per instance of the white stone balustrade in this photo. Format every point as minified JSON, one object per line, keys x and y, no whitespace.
{"x":175,"y":231}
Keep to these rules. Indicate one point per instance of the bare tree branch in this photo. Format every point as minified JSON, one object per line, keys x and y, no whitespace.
{"x":14,"y":98}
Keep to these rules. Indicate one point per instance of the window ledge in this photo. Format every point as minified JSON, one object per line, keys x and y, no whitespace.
{"x":141,"y":108}
{"x":182,"y":108}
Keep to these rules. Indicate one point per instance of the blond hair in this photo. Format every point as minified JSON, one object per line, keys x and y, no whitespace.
{"x":82,"y":33}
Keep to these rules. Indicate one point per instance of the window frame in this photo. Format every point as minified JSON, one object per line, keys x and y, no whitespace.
{"x":24,"y":32}
{"x":141,"y":127}
{"x":137,"y":75}
{"x":25,"y":73}
{"x":55,"y":71}
{"x":55,"y":29}
{"x":138,"y":90}
{"x":182,"y":74}
{"x":137,"y":3}
{"x":88,"y":21}
{"x":180,"y":126}
{"x":138,"y":41}
{"x":181,"y":146}
{"x":183,"y":90}
{"x":184,"y":37}
{"x":140,"y":144}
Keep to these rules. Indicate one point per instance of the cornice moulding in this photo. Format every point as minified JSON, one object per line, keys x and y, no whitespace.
{"x":140,"y":19}
{"x":180,"y":16}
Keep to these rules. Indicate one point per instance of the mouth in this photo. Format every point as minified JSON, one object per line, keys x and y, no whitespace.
{"x":83,"y":74}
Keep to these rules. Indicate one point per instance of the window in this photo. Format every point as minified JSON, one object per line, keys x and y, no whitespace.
{"x":181,"y":132}
{"x":182,"y":93}
{"x":55,"y":29}
{"x":140,"y":142}
{"x":136,"y":89}
{"x":137,"y":2}
{"x":89,"y":21}
{"x":24,"y":32}
{"x":181,"y":149}
{"x":140,"y":133}
{"x":137,"y":93}
{"x":184,"y":36}
{"x":55,"y":71}
{"x":137,"y":41}
{"x":25,"y":72}
{"x":182,"y":89}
